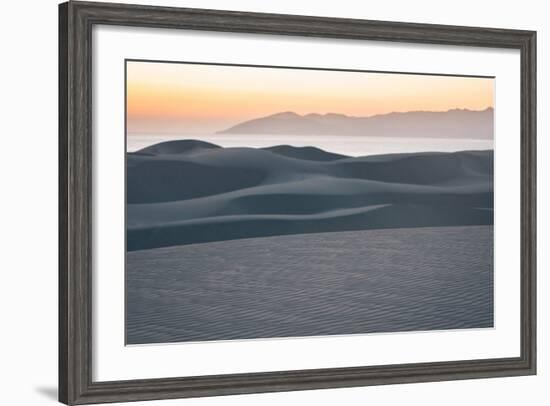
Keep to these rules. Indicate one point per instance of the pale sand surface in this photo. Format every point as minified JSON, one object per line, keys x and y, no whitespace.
{"x":349,"y":282}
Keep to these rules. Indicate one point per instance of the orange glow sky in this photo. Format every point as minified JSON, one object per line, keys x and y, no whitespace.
{"x":178,"y":98}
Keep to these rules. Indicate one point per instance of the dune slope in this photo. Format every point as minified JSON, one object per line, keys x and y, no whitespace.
{"x":186,"y":192}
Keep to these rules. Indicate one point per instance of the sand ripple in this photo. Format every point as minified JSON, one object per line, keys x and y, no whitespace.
{"x":315,"y":284}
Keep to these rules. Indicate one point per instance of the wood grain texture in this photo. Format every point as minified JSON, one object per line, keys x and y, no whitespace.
{"x":76,"y":20}
{"x":63,"y":247}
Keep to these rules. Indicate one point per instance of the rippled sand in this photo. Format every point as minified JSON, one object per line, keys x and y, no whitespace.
{"x":309,"y":285}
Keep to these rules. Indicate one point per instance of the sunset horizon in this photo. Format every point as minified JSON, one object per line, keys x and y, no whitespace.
{"x":187,"y":98}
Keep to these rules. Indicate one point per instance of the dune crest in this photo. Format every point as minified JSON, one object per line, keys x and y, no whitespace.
{"x":193,"y":192}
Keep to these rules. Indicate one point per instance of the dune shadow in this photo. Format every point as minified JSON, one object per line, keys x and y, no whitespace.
{"x":189,"y":192}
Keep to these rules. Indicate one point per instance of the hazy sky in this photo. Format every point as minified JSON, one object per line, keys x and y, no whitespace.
{"x":178,"y":98}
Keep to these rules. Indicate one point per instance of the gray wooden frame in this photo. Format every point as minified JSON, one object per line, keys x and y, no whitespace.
{"x":76,"y":20}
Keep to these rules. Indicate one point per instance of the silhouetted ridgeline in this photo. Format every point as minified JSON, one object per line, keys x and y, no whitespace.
{"x":456,"y":123}
{"x":185,"y":192}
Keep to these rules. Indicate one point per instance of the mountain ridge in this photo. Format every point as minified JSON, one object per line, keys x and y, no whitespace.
{"x":453,"y":123}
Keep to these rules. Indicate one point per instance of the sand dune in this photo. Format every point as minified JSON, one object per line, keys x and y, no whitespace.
{"x":188,"y":191}
{"x":177,"y":147}
{"x":356,"y":282}
{"x":307,"y":153}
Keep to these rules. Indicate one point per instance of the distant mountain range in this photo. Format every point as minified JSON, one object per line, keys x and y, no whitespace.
{"x":456,"y":123}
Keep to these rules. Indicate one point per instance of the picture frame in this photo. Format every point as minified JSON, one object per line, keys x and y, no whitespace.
{"x":76,"y":257}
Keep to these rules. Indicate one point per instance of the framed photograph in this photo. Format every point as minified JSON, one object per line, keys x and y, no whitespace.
{"x":258,"y":202}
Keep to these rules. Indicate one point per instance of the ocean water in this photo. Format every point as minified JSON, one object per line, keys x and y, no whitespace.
{"x":342,"y":144}
{"x":356,"y":282}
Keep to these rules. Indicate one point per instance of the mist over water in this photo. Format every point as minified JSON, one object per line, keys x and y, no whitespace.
{"x":341,"y":144}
